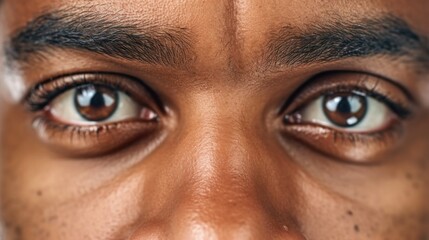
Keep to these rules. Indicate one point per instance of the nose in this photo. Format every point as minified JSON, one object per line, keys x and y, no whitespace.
{"x":219,"y":183}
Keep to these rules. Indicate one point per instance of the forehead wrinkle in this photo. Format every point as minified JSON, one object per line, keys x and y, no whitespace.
{"x":233,"y":39}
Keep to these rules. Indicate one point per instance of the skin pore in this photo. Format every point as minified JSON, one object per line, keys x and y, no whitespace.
{"x":214,"y":119}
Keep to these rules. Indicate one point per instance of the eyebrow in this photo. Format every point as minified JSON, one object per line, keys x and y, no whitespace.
{"x":340,"y":39}
{"x":88,"y":31}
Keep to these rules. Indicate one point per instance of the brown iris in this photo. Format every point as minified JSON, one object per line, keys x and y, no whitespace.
{"x":345,"y":109}
{"x":96,"y":102}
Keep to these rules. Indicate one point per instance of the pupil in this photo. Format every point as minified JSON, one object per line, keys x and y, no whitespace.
{"x":345,"y":109}
{"x":96,"y":102}
{"x":344,"y":106}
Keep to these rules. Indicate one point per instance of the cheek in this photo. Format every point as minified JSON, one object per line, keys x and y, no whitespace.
{"x":46,"y":197}
{"x":370,"y":202}
{"x":393,"y":212}
{"x":51,"y":213}
{"x":50,"y":198}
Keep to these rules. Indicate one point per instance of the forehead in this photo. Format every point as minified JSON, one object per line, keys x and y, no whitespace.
{"x":239,"y":18}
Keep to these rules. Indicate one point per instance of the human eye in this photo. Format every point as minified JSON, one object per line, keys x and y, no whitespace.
{"x":93,"y":113}
{"x":92,"y":104}
{"x":350,"y":116}
{"x":348,"y":110}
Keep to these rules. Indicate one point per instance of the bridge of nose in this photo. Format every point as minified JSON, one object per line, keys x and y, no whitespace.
{"x":218,"y":182}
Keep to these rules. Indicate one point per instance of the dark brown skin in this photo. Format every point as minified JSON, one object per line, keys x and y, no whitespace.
{"x":217,"y":161}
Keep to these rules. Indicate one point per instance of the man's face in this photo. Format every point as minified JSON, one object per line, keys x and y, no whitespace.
{"x":214,"y":119}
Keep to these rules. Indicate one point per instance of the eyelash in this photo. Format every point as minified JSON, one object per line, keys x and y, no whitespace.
{"x":365,"y":138}
{"x":42,"y":94}
{"x":397,"y":108}
{"x":84,"y":132}
{"x":359,"y":83}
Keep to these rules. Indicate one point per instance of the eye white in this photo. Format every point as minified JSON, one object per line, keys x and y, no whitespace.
{"x":377,"y":115}
{"x":63,"y":109}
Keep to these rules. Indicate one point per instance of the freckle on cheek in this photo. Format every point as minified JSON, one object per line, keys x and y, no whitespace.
{"x":357,"y":229}
{"x":409,"y":176}
{"x":18,"y":232}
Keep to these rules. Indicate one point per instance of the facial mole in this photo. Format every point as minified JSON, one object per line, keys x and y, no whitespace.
{"x":409,"y":176}
{"x":357,"y":229}
{"x":7,"y":224}
{"x":18,"y":232}
{"x":39,"y":193}
{"x":350,"y":213}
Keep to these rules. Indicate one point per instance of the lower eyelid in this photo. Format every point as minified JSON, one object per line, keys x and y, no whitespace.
{"x":92,"y":140}
{"x":361,"y":148}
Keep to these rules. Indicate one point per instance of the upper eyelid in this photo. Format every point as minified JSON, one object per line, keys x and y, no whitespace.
{"x":38,"y":96}
{"x":362,"y":81}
